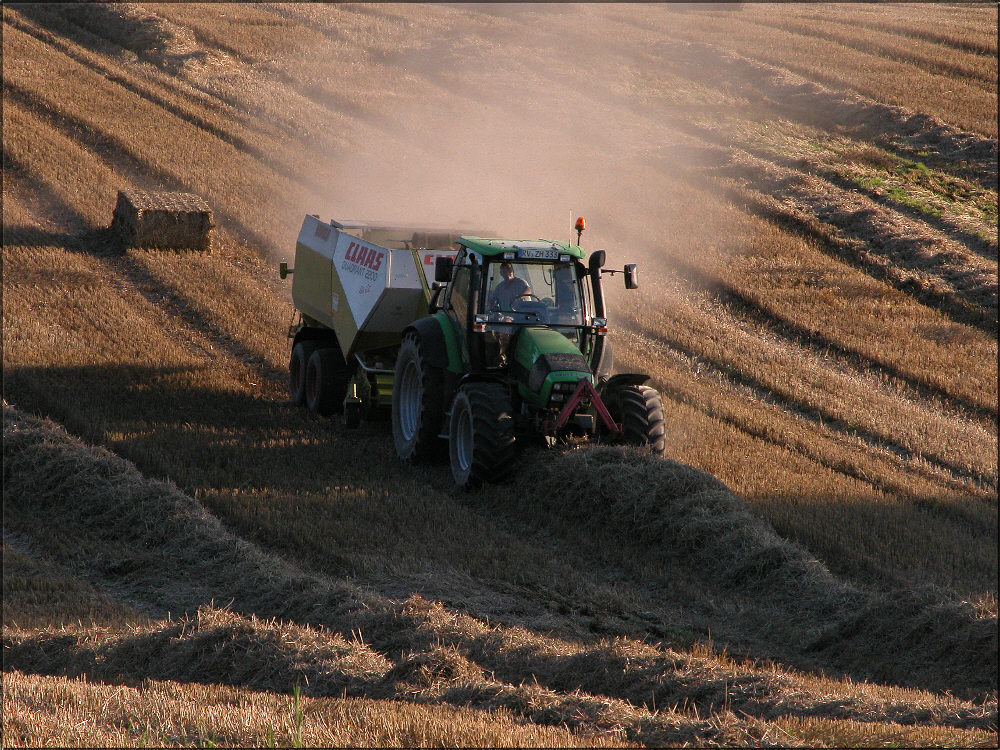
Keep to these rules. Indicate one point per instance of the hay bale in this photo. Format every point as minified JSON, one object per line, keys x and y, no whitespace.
{"x":164,"y":220}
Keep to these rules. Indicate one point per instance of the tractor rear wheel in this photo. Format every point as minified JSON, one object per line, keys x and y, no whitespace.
{"x":297,"y":371}
{"x":417,"y":403}
{"x":326,"y":381}
{"x":639,"y":411}
{"x":481,"y":434}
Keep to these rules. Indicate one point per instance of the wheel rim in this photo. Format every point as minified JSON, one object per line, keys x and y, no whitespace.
{"x":462,"y":439}
{"x":410,"y":392}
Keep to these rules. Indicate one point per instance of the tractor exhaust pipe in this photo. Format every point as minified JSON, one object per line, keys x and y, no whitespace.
{"x":596,"y":261}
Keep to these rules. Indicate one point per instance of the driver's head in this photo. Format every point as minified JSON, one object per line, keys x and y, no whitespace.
{"x":507,"y":271}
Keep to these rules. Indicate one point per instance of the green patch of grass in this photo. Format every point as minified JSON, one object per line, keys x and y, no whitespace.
{"x":900,"y":195}
{"x":912,"y":183}
{"x":871,"y":182}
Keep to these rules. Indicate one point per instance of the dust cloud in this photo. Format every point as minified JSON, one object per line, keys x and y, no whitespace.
{"x":515,"y":119}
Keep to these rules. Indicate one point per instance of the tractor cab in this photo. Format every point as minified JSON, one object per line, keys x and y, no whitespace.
{"x":501,"y":289}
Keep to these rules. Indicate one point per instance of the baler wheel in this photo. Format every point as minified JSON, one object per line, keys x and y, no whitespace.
{"x":297,"y":364}
{"x":481,"y":434}
{"x":417,"y":403}
{"x":326,"y":381}
{"x":640,"y":412}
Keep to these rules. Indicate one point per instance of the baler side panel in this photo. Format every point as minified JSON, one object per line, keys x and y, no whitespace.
{"x":366,"y":293}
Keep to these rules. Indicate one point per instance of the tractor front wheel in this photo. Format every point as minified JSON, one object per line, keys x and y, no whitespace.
{"x":639,"y":411}
{"x":481,"y":434}
{"x":417,"y":403}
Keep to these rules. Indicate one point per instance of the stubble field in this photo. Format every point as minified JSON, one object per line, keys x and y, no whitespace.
{"x":811,"y":194}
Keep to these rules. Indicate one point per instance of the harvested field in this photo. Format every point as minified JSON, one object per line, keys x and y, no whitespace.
{"x":810,"y":192}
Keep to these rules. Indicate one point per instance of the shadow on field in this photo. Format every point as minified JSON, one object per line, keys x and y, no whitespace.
{"x":120,"y":157}
{"x":170,"y":424}
{"x":102,"y":241}
{"x":771,"y":319}
{"x":856,"y":237}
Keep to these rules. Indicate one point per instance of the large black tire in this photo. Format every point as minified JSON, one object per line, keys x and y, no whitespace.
{"x":639,"y":411}
{"x":481,"y":434}
{"x":301,"y":353}
{"x":417,"y":403}
{"x":326,"y":381}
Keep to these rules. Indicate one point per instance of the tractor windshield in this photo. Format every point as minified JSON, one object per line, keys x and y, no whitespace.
{"x":533,"y":294}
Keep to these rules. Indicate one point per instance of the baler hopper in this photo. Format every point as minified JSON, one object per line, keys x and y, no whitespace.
{"x":356,"y":286}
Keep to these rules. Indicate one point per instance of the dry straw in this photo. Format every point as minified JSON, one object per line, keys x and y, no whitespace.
{"x":921,"y":637}
{"x":157,"y":547}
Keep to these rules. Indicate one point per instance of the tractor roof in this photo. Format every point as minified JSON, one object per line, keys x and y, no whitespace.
{"x":493,"y":247}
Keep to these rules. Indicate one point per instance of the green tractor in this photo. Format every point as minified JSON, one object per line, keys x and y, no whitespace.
{"x":514,"y":350}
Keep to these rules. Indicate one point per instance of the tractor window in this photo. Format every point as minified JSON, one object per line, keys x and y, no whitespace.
{"x":544,"y":293}
{"x":524,"y":293}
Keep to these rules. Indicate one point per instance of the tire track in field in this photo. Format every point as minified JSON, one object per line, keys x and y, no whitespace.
{"x":872,"y":238}
{"x":695,"y":363}
{"x":984,"y":248}
{"x":786,"y":94}
{"x":854,"y":249}
{"x":789,"y":175}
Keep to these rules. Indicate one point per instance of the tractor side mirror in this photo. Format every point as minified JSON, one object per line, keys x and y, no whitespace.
{"x":442,"y":268}
{"x":631,"y":276}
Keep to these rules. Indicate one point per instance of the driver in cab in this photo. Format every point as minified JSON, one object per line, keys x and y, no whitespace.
{"x":508,"y":291}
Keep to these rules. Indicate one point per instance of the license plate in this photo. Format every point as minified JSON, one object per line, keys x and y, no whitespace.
{"x":538,"y":253}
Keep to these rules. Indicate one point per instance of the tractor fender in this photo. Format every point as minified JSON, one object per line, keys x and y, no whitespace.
{"x":481,"y":377}
{"x":623,"y":378}
{"x":432,"y":340}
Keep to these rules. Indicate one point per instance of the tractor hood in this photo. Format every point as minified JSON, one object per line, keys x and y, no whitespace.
{"x":544,"y":356}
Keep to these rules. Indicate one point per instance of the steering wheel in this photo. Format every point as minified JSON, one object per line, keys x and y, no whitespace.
{"x":529,"y":304}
